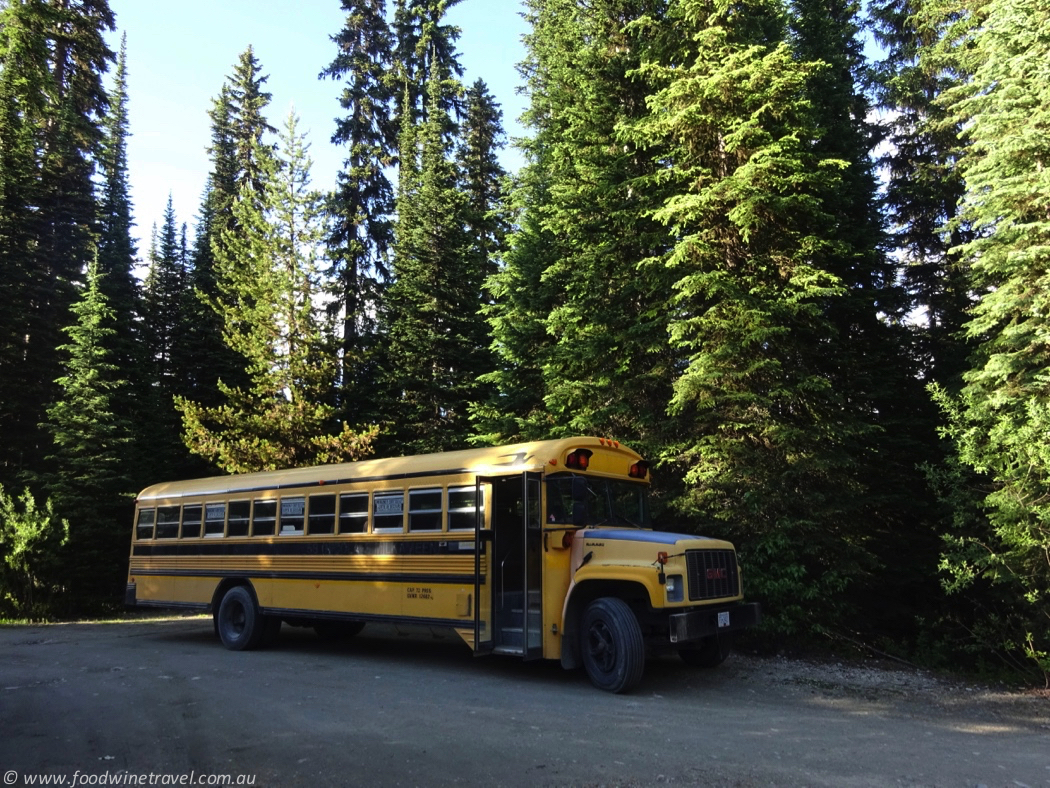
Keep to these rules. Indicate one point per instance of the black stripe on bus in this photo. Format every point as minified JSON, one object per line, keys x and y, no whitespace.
{"x":294,"y":546}
{"x":369,"y":577}
{"x":283,"y":612}
{"x":318,"y":483}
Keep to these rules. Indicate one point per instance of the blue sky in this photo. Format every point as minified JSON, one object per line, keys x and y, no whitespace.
{"x":179,"y":55}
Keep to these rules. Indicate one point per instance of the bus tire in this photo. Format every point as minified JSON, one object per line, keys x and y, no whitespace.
{"x":709,"y":653}
{"x":241,"y":625}
{"x":611,"y":645}
{"x":338,"y":630}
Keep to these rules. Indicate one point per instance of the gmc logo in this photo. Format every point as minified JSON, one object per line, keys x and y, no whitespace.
{"x":717,"y":574}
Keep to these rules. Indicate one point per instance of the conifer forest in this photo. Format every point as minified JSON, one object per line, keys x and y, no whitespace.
{"x":811,"y":285}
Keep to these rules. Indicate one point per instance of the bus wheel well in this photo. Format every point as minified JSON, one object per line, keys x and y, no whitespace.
{"x":225,"y":585}
{"x":634,"y":594}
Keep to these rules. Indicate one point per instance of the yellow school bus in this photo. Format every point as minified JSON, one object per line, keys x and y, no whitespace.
{"x":540,"y":550}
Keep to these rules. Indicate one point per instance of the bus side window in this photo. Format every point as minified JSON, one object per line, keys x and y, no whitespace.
{"x":292,"y":512}
{"x":388,"y":511}
{"x":461,"y":515}
{"x":322,"y":514}
{"x":167,"y":522}
{"x":144,"y":525}
{"x":237,"y":524}
{"x":424,"y":510}
{"x":264,"y":516}
{"x":353,"y":513}
{"x":214,"y":519}
{"x":191,"y":520}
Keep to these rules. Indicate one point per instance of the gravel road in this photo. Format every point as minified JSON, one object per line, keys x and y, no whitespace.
{"x":161,"y":700}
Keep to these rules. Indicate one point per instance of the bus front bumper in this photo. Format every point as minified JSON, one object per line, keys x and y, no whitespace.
{"x":698,"y":624}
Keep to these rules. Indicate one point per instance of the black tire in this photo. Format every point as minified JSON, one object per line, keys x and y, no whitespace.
{"x":612,"y":646}
{"x":241,"y":625}
{"x":709,"y":653}
{"x":338,"y":630}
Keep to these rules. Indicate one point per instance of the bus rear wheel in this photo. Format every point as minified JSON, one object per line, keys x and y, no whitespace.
{"x":612,"y":646}
{"x":240,"y":624}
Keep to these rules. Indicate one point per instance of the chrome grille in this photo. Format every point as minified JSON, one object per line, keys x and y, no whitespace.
{"x":712,"y":574}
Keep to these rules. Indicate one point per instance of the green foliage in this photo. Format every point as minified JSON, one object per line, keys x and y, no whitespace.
{"x":999,"y":422}
{"x":90,"y":464}
{"x":30,"y":540}
{"x":769,"y":447}
{"x":268,"y":285}
{"x":363,"y":202}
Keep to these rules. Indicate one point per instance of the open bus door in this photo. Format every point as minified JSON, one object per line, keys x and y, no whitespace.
{"x":508,"y":617}
{"x":483,"y":629}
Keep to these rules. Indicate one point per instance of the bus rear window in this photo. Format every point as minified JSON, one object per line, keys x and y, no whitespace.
{"x":144,"y":525}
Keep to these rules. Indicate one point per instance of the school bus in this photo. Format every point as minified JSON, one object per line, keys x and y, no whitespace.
{"x":540,"y":550}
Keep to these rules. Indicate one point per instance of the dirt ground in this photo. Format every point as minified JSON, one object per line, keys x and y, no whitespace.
{"x":161,"y":700}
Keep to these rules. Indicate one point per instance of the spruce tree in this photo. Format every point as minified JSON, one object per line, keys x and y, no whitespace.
{"x":583,"y":300}
{"x":52,"y":55}
{"x":363,"y":202}
{"x":268,"y":272}
{"x":90,"y":482}
{"x":768,"y":444}
{"x":432,"y":358}
{"x":1000,"y":421}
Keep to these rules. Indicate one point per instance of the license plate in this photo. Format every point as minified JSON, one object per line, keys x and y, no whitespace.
{"x":723,"y":620}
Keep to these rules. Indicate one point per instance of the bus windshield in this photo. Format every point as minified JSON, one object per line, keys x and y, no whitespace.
{"x":591,"y":500}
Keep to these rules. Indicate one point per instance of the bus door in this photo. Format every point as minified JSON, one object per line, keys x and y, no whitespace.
{"x":483,"y":629}
{"x":517,"y":534}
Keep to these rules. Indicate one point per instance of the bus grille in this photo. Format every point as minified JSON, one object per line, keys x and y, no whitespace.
{"x":712,"y":574}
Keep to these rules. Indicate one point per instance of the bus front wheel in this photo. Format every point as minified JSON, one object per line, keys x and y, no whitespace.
{"x":611,"y":645}
{"x":240,"y":624}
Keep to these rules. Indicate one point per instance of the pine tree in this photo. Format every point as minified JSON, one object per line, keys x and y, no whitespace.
{"x":1000,"y":421}
{"x":268,"y":270}
{"x":362,"y":228}
{"x":90,"y":483}
{"x":768,"y":444}
{"x":432,"y":363}
{"x":52,"y":56}
{"x":924,"y":185}
{"x":248,"y":125}
{"x":583,"y":301}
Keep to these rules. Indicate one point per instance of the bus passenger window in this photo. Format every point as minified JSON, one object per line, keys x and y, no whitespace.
{"x":191,"y":520}
{"x":238,"y":520}
{"x":264,"y":516}
{"x":353,"y":513}
{"x":388,"y":510}
{"x":424,"y":510}
{"x":167,"y":522}
{"x":144,"y":526}
{"x":292,"y":512}
{"x":461,"y":506}
{"x":214,"y":519}
{"x":322,"y":514}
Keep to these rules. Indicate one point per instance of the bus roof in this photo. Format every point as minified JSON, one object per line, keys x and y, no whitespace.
{"x":489,"y":460}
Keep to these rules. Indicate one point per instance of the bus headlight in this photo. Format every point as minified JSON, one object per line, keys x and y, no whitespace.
{"x":675,"y":588}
